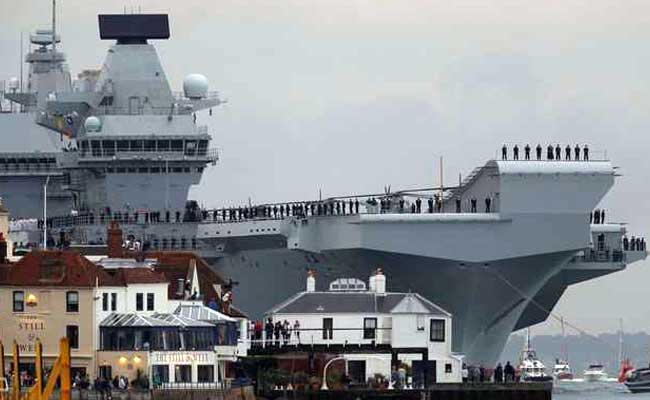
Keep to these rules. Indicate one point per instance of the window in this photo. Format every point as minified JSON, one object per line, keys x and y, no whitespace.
{"x":139,"y":301}
{"x":420,"y":322}
{"x":19,"y":301}
{"x":447,"y":368}
{"x":150,"y":302}
{"x":72,"y":333}
{"x":183,"y":373}
{"x":205,"y":373}
{"x":437,"y":333}
{"x":160,"y":373}
{"x":369,"y":328}
{"x":328,"y":328}
{"x":104,"y":301}
{"x":72,"y":301}
{"x":113,"y":301}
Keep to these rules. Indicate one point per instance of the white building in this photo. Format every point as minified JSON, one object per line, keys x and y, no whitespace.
{"x":350,"y":318}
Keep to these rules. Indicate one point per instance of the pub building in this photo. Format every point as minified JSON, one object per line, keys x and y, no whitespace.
{"x":47,"y":295}
{"x":120,"y":312}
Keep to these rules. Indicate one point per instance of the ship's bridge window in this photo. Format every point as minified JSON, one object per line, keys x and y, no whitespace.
{"x":173,"y":243}
{"x":136,"y":145}
{"x":109,"y":147}
{"x":190,"y":147}
{"x":96,"y":147}
{"x":121,"y":170}
{"x":186,"y":169}
{"x":154,"y":170}
{"x":163,"y":145}
{"x":84,"y":147}
{"x":122,"y":145}
{"x":177,"y":145}
{"x":203,"y":144}
{"x":183,"y":243}
{"x":150,"y":145}
{"x":177,"y":169}
{"x":143,"y":170}
{"x":130,"y":170}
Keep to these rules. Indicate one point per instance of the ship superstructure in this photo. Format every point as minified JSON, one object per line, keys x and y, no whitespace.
{"x":497,"y":251}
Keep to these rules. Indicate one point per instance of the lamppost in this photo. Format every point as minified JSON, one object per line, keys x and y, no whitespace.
{"x":324,"y":385}
{"x":47,"y":180}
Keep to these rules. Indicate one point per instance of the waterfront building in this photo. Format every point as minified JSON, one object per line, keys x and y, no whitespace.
{"x":372,"y":330}
{"x":130,"y":314}
{"x":47,"y":295}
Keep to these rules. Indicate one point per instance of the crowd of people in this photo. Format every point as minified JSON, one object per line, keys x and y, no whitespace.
{"x":633,"y":244}
{"x":501,"y":374}
{"x":553,"y":153}
{"x":269,"y":333}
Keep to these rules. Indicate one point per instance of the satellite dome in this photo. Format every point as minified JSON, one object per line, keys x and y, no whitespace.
{"x":13,"y":83}
{"x":195,"y":86}
{"x":92,"y":124}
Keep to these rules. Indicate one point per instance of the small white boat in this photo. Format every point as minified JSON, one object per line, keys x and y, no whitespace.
{"x":531,"y":369}
{"x":595,"y":373}
{"x":562,"y":371}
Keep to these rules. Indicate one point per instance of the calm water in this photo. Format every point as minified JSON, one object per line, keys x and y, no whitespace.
{"x":594,"y":390}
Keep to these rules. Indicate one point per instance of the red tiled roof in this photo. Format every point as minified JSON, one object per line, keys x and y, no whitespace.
{"x":139,"y":275}
{"x":176,"y":265}
{"x":54,"y":268}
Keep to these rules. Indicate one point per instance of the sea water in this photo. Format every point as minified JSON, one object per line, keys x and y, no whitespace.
{"x":580,"y":390}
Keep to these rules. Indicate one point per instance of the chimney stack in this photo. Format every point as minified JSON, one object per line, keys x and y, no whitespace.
{"x":114,"y":240}
{"x":311,"y":281}
{"x":378,"y":282}
{"x":3,"y":249}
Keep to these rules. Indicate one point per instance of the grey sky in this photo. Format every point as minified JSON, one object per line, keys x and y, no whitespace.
{"x":349,"y":96}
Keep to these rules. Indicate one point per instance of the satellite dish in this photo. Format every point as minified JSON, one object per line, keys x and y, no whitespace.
{"x":92,"y":124}
{"x":195,"y":86}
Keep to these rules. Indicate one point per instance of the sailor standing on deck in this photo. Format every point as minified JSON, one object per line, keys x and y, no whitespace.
{"x":515,"y":153}
{"x":504,"y":152}
{"x":558,"y":152}
{"x":585,"y":152}
{"x":576,"y":153}
{"x":527,"y":151}
{"x":567,"y":153}
{"x":538,"y":150}
{"x":549,"y":152}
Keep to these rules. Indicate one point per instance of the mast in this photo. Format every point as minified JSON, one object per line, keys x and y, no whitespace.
{"x":620,"y":341}
{"x":53,"y":32}
{"x":565,"y":350}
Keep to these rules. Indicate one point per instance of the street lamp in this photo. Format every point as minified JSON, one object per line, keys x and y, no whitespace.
{"x":324,"y":385}
{"x":47,"y":180}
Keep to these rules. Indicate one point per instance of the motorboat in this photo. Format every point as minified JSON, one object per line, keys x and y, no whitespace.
{"x":595,"y":373}
{"x":638,"y":381}
{"x":531,"y":369}
{"x":562,"y":370}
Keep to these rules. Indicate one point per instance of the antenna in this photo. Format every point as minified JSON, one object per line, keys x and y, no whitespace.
{"x":620,"y":341}
{"x":442,"y":190}
{"x":53,"y":32}
{"x":21,"y":61}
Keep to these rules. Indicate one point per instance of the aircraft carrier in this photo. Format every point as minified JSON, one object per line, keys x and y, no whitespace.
{"x":119,"y":144}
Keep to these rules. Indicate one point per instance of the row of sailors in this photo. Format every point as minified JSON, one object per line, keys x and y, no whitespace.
{"x":383,"y":205}
{"x":551,"y":153}
{"x":275,"y":211}
{"x":597,"y":217}
{"x":119,"y":216}
{"x":634,"y":244}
